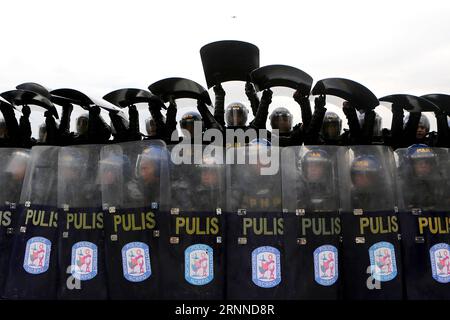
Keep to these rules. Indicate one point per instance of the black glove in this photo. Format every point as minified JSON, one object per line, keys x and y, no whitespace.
{"x":95,"y":110}
{"x":26,"y":111}
{"x":250,"y":91}
{"x":267,"y":96}
{"x":218,"y":91}
{"x":320,"y":101}
{"x":299,"y":97}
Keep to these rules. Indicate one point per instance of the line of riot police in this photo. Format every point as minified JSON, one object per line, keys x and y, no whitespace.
{"x":140,"y":220}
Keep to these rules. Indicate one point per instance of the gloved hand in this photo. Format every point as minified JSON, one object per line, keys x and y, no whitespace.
{"x":267,"y":96}
{"x":218,"y":91}
{"x":172,"y":103}
{"x":300,"y":97}
{"x":26,"y":111}
{"x":320,"y":101}
{"x":250,"y":91}
{"x":94,"y":110}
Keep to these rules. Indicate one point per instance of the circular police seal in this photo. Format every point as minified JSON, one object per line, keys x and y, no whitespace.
{"x":136,"y":262}
{"x":37,"y":255}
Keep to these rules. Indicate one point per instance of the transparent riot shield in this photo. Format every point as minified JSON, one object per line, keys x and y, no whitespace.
{"x":422,"y":176}
{"x":33,"y":266}
{"x":255,"y":250}
{"x":13,"y":165}
{"x":194,"y":259}
{"x":371,"y":242}
{"x":312,"y":221}
{"x":81,"y":256}
{"x":134,"y":178}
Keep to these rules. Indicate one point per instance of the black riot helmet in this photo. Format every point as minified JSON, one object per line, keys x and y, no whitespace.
{"x":316,"y":166}
{"x":365,"y":172}
{"x":82,"y":123}
{"x":281,"y":119}
{"x":236,"y":114}
{"x":423,"y":160}
{"x":188,"y":119}
{"x":331,"y":126}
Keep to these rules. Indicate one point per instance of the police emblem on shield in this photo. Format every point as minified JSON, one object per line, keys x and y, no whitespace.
{"x":383,"y":266}
{"x":84,"y":260}
{"x":440,"y":262}
{"x":37,"y":255}
{"x":266,"y":267}
{"x":326,"y":270}
{"x":198,"y":264}
{"x":136,"y":261}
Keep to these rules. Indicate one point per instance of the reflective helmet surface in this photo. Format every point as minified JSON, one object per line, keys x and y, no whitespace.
{"x":281,"y":119}
{"x":331,"y":126}
{"x":316,"y":165}
{"x":236,"y":114}
{"x":422,"y":159}
{"x":365,"y":171}
{"x":82,"y":123}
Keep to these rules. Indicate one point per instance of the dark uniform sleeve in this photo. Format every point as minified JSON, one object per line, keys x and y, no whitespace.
{"x":52,"y":130}
{"x":208,"y":119}
{"x":219,"y":105}
{"x":120,"y":127}
{"x":171,"y":118}
{"x":353,"y":124}
{"x":25,"y":127}
{"x":313,"y":129}
{"x":396,"y":126}
{"x":263,"y":111}
{"x":367,"y":128}
{"x":133,"y":116}
{"x":409,"y":136}
{"x":64,"y":126}
{"x":252,"y":97}
{"x":155,"y":111}
{"x":442,"y":129}
{"x":11,"y":123}
{"x":98,"y":129}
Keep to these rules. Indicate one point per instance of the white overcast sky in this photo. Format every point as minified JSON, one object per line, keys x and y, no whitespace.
{"x":98,"y":46}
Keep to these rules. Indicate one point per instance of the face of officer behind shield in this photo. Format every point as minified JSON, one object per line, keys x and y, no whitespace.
{"x":422,"y":168}
{"x":148,"y":171}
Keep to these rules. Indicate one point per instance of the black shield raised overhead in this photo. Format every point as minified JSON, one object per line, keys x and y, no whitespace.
{"x":35,"y":87}
{"x":411,"y":103}
{"x":277,"y":75}
{"x":24,"y":97}
{"x":440,"y":100}
{"x":123,"y":98}
{"x":67,"y":95}
{"x":228,"y":60}
{"x":350,"y":90}
{"x":179,"y":88}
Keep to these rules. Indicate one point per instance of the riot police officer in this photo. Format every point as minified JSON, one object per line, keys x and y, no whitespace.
{"x":425,"y":175}
{"x":319,"y":192}
{"x":146,"y":185}
{"x":367,"y":191}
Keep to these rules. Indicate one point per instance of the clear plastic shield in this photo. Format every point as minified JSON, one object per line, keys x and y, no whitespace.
{"x":370,"y":226}
{"x":81,"y":255}
{"x":422,"y":175}
{"x":33,"y":266}
{"x":255,"y":248}
{"x":134,"y":178}
{"x":13,"y":165}
{"x":195,"y":255}
{"x":312,"y":221}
